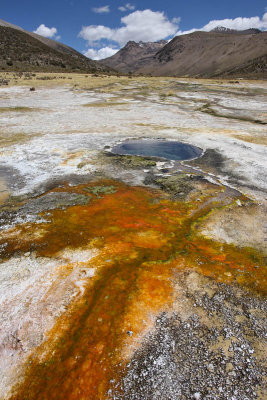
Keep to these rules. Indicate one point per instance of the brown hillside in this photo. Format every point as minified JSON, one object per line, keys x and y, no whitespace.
{"x":208,"y":54}
{"x":20,"y":51}
{"x":133,"y":55}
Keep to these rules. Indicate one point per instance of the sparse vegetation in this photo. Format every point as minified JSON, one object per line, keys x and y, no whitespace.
{"x":20,"y":51}
{"x":178,"y":185}
{"x":206,"y":108}
{"x":8,"y":139}
{"x":105,"y":104}
{"x":17,"y":109}
{"x":129,"y":161}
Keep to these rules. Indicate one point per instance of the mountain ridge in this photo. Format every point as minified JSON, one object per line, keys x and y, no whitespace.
{"x":133,"y":55}
{"x":201,"y":54}
{"x":63,"y":48}
{"x":223,"y":29}
{"x":28,"y":51}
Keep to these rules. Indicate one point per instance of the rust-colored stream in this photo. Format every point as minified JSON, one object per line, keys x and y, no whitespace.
{"x":142,"y":236}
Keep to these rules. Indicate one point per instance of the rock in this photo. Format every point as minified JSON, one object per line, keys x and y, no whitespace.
{"x":210,"y":368}
{"x":229,"y":367}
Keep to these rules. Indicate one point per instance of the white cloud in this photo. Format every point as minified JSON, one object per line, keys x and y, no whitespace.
{"x":148,"y":25}
{"x":143,"y":25}
{"x":101,"y":53}
{"x":46,"y":32}
{"x":187,"y":32}
{"x":130,"y":6}
{"x":240,"y":23}
{"x":93,"y":33}
{"x":176,"y":20}
{"x":101,"y":10}
{"x":126,"y":7}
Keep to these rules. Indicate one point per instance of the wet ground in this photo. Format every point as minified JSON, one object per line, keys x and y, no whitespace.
{"x":124,"y":276}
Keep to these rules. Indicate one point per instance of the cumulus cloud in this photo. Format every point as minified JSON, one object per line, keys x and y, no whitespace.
{"x":99,"y":54}
{"x":101,"y":10}
{"x":143,"y":25}
{"x":93,"y":33}
{"x":46,"y":32}
{"x":240,"y":23}
{"x":126,"y":7}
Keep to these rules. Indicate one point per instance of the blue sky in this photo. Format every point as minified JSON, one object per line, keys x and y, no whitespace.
{"x":99,"y":28}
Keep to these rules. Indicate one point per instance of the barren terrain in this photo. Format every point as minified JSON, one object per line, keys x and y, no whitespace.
{"x":126,"y":277}
{"x":219,"y":53}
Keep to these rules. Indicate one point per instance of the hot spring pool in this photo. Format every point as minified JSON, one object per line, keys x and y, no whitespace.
{"x":170,"y":150}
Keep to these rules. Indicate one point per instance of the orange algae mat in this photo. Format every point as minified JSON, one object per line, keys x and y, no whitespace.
{"x":142,"y":237}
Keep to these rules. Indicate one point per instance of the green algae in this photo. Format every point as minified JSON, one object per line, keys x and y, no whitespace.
{"x":98,"y":191}
{"x":146,"y":242}
{"x":177,"y":185}
{"x":131,"y":161}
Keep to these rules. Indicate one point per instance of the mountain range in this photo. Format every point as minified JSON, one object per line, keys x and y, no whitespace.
{"x":221,"y":52}
{"x":134,"y":55}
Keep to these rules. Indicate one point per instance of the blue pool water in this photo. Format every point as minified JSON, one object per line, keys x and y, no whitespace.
{"x":158,"y":148}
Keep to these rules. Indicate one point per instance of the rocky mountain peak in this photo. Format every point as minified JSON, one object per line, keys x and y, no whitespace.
{"x":223,"y":29}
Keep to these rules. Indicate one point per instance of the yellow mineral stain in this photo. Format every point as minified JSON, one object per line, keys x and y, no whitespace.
{"x":3,"y":191}
{"x":71,"y":158}
{"x":141,"y":238}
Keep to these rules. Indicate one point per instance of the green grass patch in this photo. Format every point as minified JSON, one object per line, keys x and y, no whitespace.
{"x":105,"y":104}
{"x":17,"y":109}
{"x":8,"y":139}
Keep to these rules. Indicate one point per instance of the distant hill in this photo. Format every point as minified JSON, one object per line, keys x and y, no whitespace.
{"x":26,"y":51}
{"x":63,"y":48}
{"x":221,"y":52}
{"x":9,"y":25}
{"x":133,"y":55}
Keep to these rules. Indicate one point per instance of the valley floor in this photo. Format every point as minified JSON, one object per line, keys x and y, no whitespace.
{"x":124,"y":277}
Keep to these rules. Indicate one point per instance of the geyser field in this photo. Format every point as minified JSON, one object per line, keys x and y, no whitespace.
{"x":129,"y":275}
